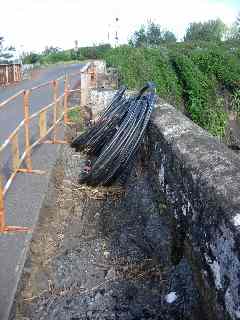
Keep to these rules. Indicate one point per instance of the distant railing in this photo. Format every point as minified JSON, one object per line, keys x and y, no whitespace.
{"x":10,"y":73}
{"x":59,"y":107}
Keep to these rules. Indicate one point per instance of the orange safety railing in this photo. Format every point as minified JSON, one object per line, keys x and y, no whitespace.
{"x":59,"y":107}
{"x":10,"y":73}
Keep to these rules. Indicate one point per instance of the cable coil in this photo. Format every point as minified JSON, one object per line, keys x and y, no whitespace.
{"x":113,"y":141}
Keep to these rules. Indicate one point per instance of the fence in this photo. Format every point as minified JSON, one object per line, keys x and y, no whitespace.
{"x":59,"y":107}
{"x":10,"y":73}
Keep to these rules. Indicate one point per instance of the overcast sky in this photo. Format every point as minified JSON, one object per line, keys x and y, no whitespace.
{"x":34,"y":24}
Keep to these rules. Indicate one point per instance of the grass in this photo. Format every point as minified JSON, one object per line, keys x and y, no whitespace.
{"x":76,"y":115}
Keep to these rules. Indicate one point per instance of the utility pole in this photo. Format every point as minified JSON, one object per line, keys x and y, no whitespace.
{"x":116,"y":31}
{"x":75,"y":45}
{"x":108,"y":37}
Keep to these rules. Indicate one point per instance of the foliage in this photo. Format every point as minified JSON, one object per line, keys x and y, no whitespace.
{"x":50,"y":50}
{"x":6,"y":53}
{"x":54,"y":57}
{"x":217,"y":118}
{"x":189,"y":73}
{"x":169,"y":37}
{"x":151,"y":35}
{"x":221,"y":63}
{"x":30,"y":58}
{"x":234,"y":32}
{"x":94,"y":52}
{"x":76,"y":115}
{"x":236,"y":101}
{"x":212,"y":30}
{"x":197,"y":89}
{"x":54,"y":54}
{"x":139,"y":38}
{"x":136,"y":66}
{"x":47,"y":57}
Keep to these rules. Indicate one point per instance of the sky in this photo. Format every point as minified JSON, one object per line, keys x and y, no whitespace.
{"x":31,"y":25}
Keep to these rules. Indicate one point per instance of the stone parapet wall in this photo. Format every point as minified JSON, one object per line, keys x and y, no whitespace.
{"x":100,"y":66}
{"x":99,"y":99}
{"x":199,"y":179}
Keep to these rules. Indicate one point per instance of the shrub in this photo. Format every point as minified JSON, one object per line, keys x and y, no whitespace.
{"x":138,"y":65}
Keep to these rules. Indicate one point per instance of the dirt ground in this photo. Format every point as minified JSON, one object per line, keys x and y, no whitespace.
{"x":103,"y":253}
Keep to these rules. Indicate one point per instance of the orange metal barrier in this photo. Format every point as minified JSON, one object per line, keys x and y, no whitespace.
{"x":10,"y":73}
{"x":60,"y":109}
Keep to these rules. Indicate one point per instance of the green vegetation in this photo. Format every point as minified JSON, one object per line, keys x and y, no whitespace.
{"x":6,"y":53}
{"x":234,"y":32}
{"x":194,"y":75}
{"x":75,"y":115}
{"x":190,"y":74}
{"x":236,"y":102}
{"x":151,"y":35}
{"x":136,"y":66}
{"x":53,"y":55}
{"x":212,"y":30}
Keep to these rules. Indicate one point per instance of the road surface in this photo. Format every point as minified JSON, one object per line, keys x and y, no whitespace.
{"x":25,"y":197}
{"x":12,"y":114}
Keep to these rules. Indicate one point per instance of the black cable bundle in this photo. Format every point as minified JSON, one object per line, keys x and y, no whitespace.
{"x":117,"y":135}
{"x":105,"y":127}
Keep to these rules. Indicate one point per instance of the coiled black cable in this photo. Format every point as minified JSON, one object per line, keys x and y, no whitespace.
{"x":117,"y":135}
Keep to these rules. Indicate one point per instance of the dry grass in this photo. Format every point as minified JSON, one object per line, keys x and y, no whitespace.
{"x":147,"y":268}
{"x":99,"y":193}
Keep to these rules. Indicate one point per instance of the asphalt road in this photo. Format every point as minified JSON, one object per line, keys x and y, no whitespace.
{"x":25,"y":197}
{"x":12,"y":114}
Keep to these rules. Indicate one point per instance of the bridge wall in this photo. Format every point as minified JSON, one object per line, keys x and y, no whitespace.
{"x":199,"y":179}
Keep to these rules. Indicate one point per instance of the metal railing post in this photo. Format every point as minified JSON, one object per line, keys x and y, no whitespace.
{"x":55,"y":108}
{"x":2,"y":211}
{"x":26,"y":106}
{"x":65,"y":103}
{"x":93,"y":76}
{"x":7,"y":74}
{"x":84,"y":89}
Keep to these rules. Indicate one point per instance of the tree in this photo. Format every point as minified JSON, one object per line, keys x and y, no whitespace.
{"x":212,"y":30}
{"x":234,"y":33}
{"x":238,"y":20}
{"x":50,"y":50}
{"x":1,"y":41}
{"x":169,"y":37}
{"x":151,"y":35}
{"x":7,"y":54}
{"x":30,"y":58}
{"x":139,"y":38}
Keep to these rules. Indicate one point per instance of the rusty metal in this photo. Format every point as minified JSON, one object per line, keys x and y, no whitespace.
{"x":65,"y":103}
{"x":10,"y":73}
{"x":4,"y":103}
{"x":58,"y":115}
{"x":26,"y":128}
{"x":2,"y":211}
{"x":42,"y":85}
{"x":55,"y":107}
{"x":83,"y":91}
{"x":15,"y":152}
{"x":40,"y":172}
{"x":42,"y":124}
{"x":93,"y":77}
{"x":3,"y":227}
